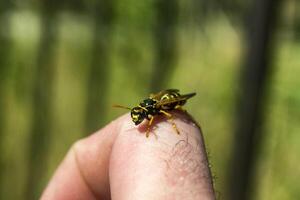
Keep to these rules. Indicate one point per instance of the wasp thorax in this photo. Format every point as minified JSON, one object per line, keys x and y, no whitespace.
{"x":148,"y":103}
{"x":137,"y":115}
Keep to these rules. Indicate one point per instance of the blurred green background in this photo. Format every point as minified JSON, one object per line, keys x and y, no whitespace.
{"x":64,"y":63}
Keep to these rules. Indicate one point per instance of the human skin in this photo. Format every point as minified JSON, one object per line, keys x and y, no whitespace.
{"x":119,"y":162}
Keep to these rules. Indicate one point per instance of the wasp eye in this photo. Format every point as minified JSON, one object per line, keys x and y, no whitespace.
{"x":137,"y":115}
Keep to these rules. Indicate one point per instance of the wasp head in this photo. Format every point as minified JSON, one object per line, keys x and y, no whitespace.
{"x":137,"y":115}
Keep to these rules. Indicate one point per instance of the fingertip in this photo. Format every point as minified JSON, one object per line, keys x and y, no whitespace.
{"x":162,"y":165}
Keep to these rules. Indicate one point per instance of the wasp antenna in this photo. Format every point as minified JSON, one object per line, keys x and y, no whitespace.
{"x":120,"y":106}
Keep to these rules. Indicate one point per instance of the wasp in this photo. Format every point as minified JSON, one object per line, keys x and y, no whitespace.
{"x":158,"y":104}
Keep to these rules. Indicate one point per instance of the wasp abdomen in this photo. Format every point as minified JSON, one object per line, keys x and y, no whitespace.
{"x":171,"y":96}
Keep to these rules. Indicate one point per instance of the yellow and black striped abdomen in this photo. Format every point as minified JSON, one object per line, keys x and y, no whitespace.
{"x":170,"y":97}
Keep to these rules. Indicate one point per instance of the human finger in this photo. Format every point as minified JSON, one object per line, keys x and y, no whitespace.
{"x":164,"y":166}
{"x":83,"y":174}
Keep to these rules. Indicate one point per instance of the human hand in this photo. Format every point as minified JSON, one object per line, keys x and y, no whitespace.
{"x":119,"y":162}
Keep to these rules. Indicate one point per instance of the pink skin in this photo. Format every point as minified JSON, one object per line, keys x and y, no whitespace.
{"x":119,"y":162}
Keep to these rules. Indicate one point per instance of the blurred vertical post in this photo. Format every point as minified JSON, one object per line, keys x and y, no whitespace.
{"x":297,"y":20}
{"x":5,"y":44}
{"x":39,"y":140}
{"x":248,"y":134}
{"x":165,"y":43}
{"x":98,"y":76}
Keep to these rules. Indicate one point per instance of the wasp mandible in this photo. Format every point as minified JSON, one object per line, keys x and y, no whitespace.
{"x":158,"y":104}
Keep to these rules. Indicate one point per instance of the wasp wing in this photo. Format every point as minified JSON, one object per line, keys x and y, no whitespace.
{"x":158,"y":95}
{"x":177,"y":99}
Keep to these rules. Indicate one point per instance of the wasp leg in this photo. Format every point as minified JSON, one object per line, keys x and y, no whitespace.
{"x":149,"y":126}
{"x":179,"y":107}
{"x":171,"y":120}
